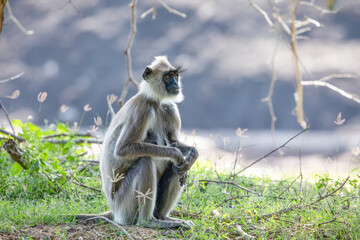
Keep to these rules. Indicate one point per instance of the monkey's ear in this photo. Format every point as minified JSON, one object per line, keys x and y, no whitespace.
{"x":146,"y":73}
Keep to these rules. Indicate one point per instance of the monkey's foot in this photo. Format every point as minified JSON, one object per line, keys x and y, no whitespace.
{"x":166,"y":223}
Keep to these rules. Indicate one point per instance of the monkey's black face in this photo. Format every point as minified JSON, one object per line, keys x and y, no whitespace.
{"x":171,"y":81}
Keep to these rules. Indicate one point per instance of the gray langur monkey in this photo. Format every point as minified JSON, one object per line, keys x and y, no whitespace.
{"x":143,"y":165}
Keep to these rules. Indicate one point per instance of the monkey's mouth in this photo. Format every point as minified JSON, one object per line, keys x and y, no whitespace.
{"x":174,"y":91}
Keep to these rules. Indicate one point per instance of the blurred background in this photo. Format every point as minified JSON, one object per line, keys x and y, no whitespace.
{"x":76,"y":55}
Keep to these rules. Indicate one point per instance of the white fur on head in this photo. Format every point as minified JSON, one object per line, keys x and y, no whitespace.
{"x":153,"y":88}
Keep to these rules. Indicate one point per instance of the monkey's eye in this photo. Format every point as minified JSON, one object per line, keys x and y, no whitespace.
{"x":167,"y":77}
{"x":176,"y":76}
{"x":148,"y":71}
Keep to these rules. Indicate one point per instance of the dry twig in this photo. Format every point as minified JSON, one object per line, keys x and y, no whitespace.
{"x":16,"y":21}
{"x":11,"y":78}
{"x":298,"y":206}
{"x":262,"y":12}
{"x":83,"y":185}
{"x":332,"y":87}
{"x":70,"y":2}
{"x":322,"y":10}
{"x":274,"y":150}
{"x":127,"y":52}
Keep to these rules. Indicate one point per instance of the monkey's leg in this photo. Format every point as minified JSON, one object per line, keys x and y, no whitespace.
{"x":169,"y":190}
{"x":134,"y":200}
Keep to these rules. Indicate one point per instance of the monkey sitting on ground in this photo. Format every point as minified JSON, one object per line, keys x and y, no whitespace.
{"x":143,"y":165}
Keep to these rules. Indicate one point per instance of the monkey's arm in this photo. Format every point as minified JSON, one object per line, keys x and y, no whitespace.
{"x":130,"y":144}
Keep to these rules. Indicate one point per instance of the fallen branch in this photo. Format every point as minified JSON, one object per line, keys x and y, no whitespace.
{"x":15,"y":153}
{"x":20,"y":139}
{"x":83,"y":185}
{"x":230,"y":183}
{"x":171,"y":10}
{"x":298,"y":206}
{"x":77,"y":141}
{"x":283,"y":145}
{"x":69,"y":135}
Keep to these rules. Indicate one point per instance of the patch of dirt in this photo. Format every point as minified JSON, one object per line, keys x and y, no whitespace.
{"x":86,"y":231}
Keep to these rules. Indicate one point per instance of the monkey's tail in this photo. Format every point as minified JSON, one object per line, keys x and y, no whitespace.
{"x":93,"y":218}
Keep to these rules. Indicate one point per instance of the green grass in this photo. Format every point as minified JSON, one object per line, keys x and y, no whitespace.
{"x":214,"y":208}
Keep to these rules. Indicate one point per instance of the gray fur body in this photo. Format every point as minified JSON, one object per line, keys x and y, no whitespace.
{"x":139,"y":152}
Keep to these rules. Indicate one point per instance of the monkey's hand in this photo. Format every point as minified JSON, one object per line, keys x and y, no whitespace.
{"x":189,"y":161}
{"x":185,"y":167}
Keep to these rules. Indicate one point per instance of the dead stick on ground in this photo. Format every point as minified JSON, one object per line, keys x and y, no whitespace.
{"x":304,"y":205}
{"x":112,"y":222}
{"x":76,"y":141}
{"x":83,"y":185}
{"x":283,"y":145}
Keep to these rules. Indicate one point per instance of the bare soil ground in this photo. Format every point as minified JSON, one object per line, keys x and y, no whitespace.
{"x":84,"y":231}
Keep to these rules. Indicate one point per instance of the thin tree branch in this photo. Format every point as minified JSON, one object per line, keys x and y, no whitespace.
{"x":12,"y":78}
{"x":171,"y":10}
{"x":230,"y":183}
{"x":331,"y":221}
{"x":262,"y":12}
{"x":53,"y":182}
{"x":7,"y":116}
{"x":335,"y":76}
{"x":332,"y":87}
{"x":297,"y":206}
{"x":322,"y":10}
{"x":128,"y":53}
{"x":84,"y":186}
{"x":271,"y":152}
{"x":17,"y":22}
